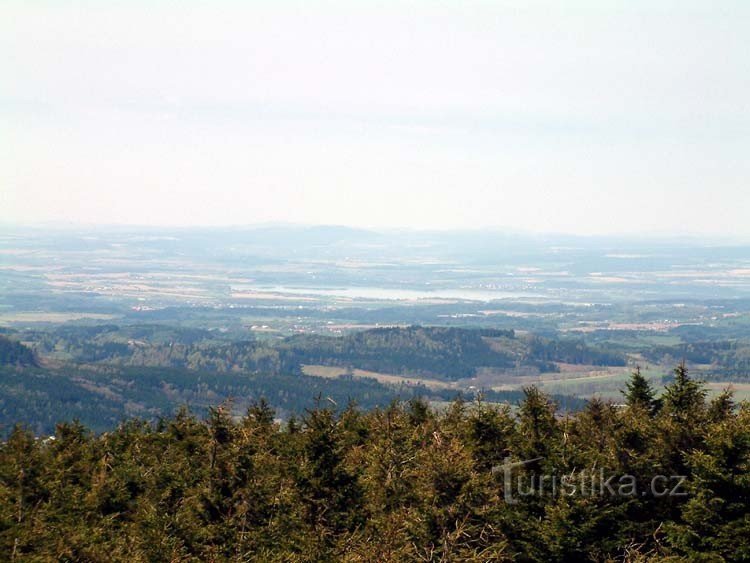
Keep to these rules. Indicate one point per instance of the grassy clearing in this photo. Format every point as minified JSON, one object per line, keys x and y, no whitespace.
{"x":602,"y":382}
{"x":335,"y":371}
{"x":609,"y":384}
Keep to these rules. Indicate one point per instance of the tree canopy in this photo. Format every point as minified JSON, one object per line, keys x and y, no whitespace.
{"x":405,"y":482}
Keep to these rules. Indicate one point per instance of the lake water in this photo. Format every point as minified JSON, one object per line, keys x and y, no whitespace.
{"x":398,"y":294}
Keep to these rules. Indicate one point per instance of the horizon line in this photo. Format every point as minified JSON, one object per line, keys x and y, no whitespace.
{"x":497,"y":230}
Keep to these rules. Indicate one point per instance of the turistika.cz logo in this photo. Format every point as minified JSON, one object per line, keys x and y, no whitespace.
{"x":585,"y":483}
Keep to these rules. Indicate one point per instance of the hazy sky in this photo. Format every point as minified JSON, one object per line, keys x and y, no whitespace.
{"x":584,"y":117}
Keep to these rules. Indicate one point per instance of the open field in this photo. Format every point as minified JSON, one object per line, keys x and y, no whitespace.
{"x":335,"y":371}
{"x":267,"y":284}
{"x":50,"y":317}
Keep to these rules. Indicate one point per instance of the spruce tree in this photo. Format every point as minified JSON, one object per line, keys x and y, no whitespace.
{"x":685,"y":397}
{"x":537,"y":427}
{"x":261,"y":413}
{"x":721,"y":406}
{"x":639,"y":393}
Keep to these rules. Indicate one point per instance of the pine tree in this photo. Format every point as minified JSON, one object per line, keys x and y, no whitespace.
{"x":261,"y":413}
{"x":721,"y":406}
{"x":489,"y":432}
{"x":639,"y":393}
{"x":537,"y":425}
{"x":685,"y":397}
{"x":329,"y":490}
{"x":405,"y":483}
{"x":681,"y":421}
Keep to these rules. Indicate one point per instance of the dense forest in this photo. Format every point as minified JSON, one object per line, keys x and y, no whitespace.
{"x":399,"y":483}
{"x":102,"y":396}
{"x":13,"y":353}
{"x":104,"y":373}
{"x":437,"y":352}
{"x":728,"y":359}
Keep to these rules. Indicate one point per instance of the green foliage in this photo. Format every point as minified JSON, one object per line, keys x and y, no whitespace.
{"x":572,"y":352}
{"x":640,"y":394}
{"x":398,"y":483}
{"x":724,"y":359}
{"x":102,"y":396}
{"x":684,"y":398}
{"x":422,"y":351}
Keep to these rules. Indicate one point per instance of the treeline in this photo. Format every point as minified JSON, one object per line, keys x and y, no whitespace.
{"x":442,"y":352}
{"x":435,"y":352}
{"x":102,"y":396}
{"x":399,"y":483}
{"x":13,"y":353}
{"x":724,"y":359}
{"x":572,"y":351}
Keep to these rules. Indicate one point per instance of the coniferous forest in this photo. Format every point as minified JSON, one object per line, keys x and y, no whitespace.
{"x":374,"y":282}
{"x":402,"y":483}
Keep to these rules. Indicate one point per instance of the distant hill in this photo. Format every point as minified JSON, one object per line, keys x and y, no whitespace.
{"x":14,"y":353}
{"x":102,"y":396}
{"x":443,"y":352}
{"x":446,"y":353}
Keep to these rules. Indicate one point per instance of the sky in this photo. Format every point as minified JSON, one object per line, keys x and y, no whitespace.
{"x":600,"y":117}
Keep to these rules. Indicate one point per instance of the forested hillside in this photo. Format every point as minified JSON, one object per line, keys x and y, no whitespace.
{"x":14,"y":353}
{"x":104,"y":373}
{"x":398,"y":483}
{"x":101,"y":397}
{"x":430,"y":351}
{"x":436,"y":352}
{"x":726,"y":358}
